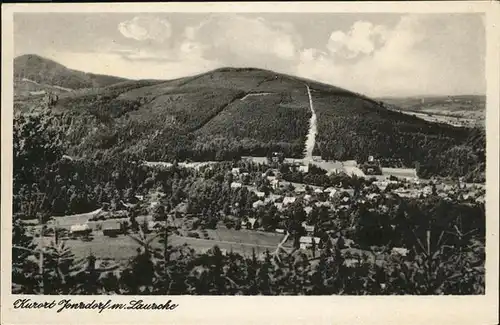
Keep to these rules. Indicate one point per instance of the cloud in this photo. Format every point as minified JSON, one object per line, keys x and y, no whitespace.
{"x":421,"y":54}
{"x":361,"y":39}
{"x":417,"y":54}
{"x":146,"y":28}
{"x":243,"y":41}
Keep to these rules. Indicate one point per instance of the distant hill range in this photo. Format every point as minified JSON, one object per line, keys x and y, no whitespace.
{"x":468,"y":110}
{"x":231,"y":112}
{"x":33,"y":73}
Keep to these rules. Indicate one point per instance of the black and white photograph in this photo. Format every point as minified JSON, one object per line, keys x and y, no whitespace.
{"x":249,"y":153}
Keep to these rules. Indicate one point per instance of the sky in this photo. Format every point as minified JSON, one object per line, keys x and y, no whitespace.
{"x":374,"y":54}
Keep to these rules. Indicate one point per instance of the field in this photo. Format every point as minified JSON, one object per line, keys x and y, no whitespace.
{"x":123,"y":247}
{"x":353,"y":170}
{"x":399,"y":172}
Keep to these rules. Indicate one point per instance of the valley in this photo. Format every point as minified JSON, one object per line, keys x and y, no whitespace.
{"x":268,"y":180}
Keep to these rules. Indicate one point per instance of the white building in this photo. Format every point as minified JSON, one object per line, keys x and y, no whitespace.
{"x":80,"y":229}
{"x":275,"y":184}
{"x":306,"y":242}
{"x":308,"y":228}
{"x":257,"y":204}
{"x":278,"y":205}
{"x":399,"y":251}
{"x":235,"y":171}
{"x":304,"y":169}
{"x":260,"y":194}
{"x":235,"y":185}
{"x":249,"y":224}
{"x":289,"y":200}
{"x":332,"y":193}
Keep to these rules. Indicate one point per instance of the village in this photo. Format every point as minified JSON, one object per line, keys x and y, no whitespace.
{"x":318,"y":208}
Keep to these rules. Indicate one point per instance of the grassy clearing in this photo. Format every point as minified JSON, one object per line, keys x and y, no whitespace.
{"x":399,"y":172}
{"x":123,"y":247}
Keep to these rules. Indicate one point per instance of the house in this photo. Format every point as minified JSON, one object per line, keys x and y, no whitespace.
{"x":304,"y":169}
{"x":288,"y":200}
{"x":318,"y":191}
{"x":154,"y":225}
{"x":279,"y":231}
{"x":372,"y":196}
{"x":244,"y":177}
{"x":235,"y":171}
{"x":260,"y":194}
{"x":307,"y":197}
{"x":300,"y":189}
{"x":381,"y":184}
{"x":349,"y":243}
{"x":351,"y":262}
{"x":322,"y":204}
{"x":140,"y":197}
{"x":275,"y":184}
{"x":80,"y":230}
{"x":344,"y":202}
{"x":112,"y":229}
{"x":333,"y":171}
{"x":39,"y":92}
{"x":306,"y":242}
{"x":399,"y":251}
{"x":308,"y":210}
{"x":249,"y":223}
{"x":257,"y":204}
{"x":332,"y":193}
{"x":330,"y":189}
{"x":351,"y":163}
{"x":278,"y":205}
{"x":235,"y":185}
{"x":349,"y":191}
{"x":308,"y":228}
{"x":427,"y":190}
{"x":277,"y":157}
{"x":271,"y":178}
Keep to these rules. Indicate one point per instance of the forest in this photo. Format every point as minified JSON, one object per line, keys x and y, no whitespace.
{"x":228,"y":113}
{"x":353,"y":128}
{"x":446,"y":238}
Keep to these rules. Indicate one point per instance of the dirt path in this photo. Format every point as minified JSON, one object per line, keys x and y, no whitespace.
{"x":255,"y":94}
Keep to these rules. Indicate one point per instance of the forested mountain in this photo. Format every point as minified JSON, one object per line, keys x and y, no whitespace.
{"x":230,"y":112}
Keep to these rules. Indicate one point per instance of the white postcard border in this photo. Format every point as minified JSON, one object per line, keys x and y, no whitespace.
{"x":258,"y":310}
